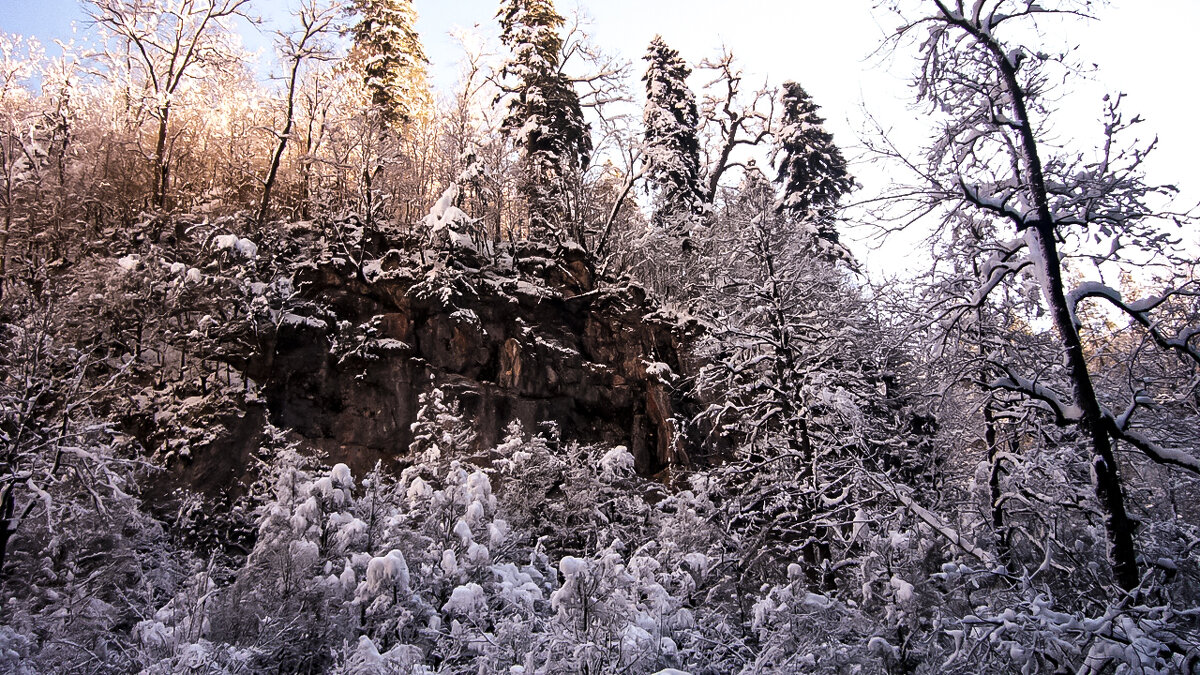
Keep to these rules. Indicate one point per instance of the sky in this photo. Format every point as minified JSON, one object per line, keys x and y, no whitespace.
{"x":1144,"y":48}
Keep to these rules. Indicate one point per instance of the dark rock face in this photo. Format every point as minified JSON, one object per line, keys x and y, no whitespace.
{"x":531,"y":339}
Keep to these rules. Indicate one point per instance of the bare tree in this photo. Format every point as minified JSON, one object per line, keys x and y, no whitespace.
{"x":735,"y":119}
{"x":17,"y":160}
{"x":305,"y":43}
{"x":169,"y":41}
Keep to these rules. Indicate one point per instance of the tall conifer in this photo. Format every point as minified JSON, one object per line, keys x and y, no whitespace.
{"x":672,"y":146}
{"x":544,"y":116}
{"x":812,"y":171}
{"x":393,"y":58}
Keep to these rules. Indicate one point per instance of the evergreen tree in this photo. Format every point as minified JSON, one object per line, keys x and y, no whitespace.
{"x":812,"y":171}
{"x":672,"y":146}
{"x":393,"y":59}
{"x":544,"y":116}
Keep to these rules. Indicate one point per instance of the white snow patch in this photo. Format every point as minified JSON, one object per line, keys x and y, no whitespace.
{"x":571,"y":566}
{"x":242,"y":248}
{"x":904,"y":590}
{"x":465,"y":599}
{"x":289,"y":319}
{"x":387,"y":570}
{"x":446,"y":223}
{"x":130,"y":262}
{"x":616,"y":463}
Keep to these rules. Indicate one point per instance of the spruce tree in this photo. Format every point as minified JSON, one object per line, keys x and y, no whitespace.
{"x":812,"y":171}
{"x":393,"y":58}
{"x":544,"y":116}
{"x":672,"y":146}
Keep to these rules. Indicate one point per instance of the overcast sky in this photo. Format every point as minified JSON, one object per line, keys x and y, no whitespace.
{"x":1145,"y":48}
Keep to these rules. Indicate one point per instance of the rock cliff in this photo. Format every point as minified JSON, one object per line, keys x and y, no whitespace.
{"x":528,"y":335}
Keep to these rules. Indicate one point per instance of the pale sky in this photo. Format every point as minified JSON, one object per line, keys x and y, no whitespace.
{"x":1144,"y":48}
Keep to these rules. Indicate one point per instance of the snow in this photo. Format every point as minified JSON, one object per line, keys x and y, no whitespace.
{"x":419,"y":490}
{"x":475,"y":513}
{"x":881,"y":648}
{"x":1069,"y":412}
{"x":903,"y":590}
{"x":635,"y":639}
{"x":1090,"y":289}
{"x":571,"y":566}
{"x":130,"y":262}
{"x":386,"y":571}
{"x":658,"y":370}
{"x":373,"y":270}
{"x":478,"y":554}
{"x":617,"y":462}
{"x":479,"y":487}
{"x":466,"y":317}
{"x":497,"y":532}
{"x":932,"y":520}
{"x":304,"y":553}
{"x":340,"y":475}
{"x":516,"y":587}
{"x":293,"y":320}
{"x":816,"y":601}
{"x":446,"y":223}
{"x":239,"y":247}
{"x":1160,"y":453}
{"x":465,"y":599}
{"x":463,"y":531}
{"x":246,"y":249}
{"x":697,"y":562}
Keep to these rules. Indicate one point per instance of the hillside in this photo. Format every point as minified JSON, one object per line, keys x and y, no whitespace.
{"x":573,"y":368}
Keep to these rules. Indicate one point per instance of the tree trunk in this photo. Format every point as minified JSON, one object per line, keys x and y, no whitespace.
{"x":1041,"y":227}
{"x":1105,"y":472}
{"x":7,"y":504}
{"x":161,"y":175}
{"x":995,"y":505}
{"x":8,"y":220}
{"x":277,"y":156}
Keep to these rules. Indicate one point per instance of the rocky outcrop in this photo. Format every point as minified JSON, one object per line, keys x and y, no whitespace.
{"x":528,"y":336}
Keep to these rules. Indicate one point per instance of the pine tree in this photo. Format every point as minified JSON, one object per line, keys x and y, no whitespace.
{"x":672,"y":146}
{"x":393,"y":59}
{"x":812,"y":171}
{"x":544,"y":115}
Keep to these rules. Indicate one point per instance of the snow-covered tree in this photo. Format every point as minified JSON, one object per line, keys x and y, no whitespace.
{"x":544,"y":117}
{"x":671,"y":144}
{"x":994,"y":159}
{"x":393,"y":59}
{"x":439,"y":432}
{"x":21,"y":165}
{"x":812,"y":173}
{"x":798,"y":368}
